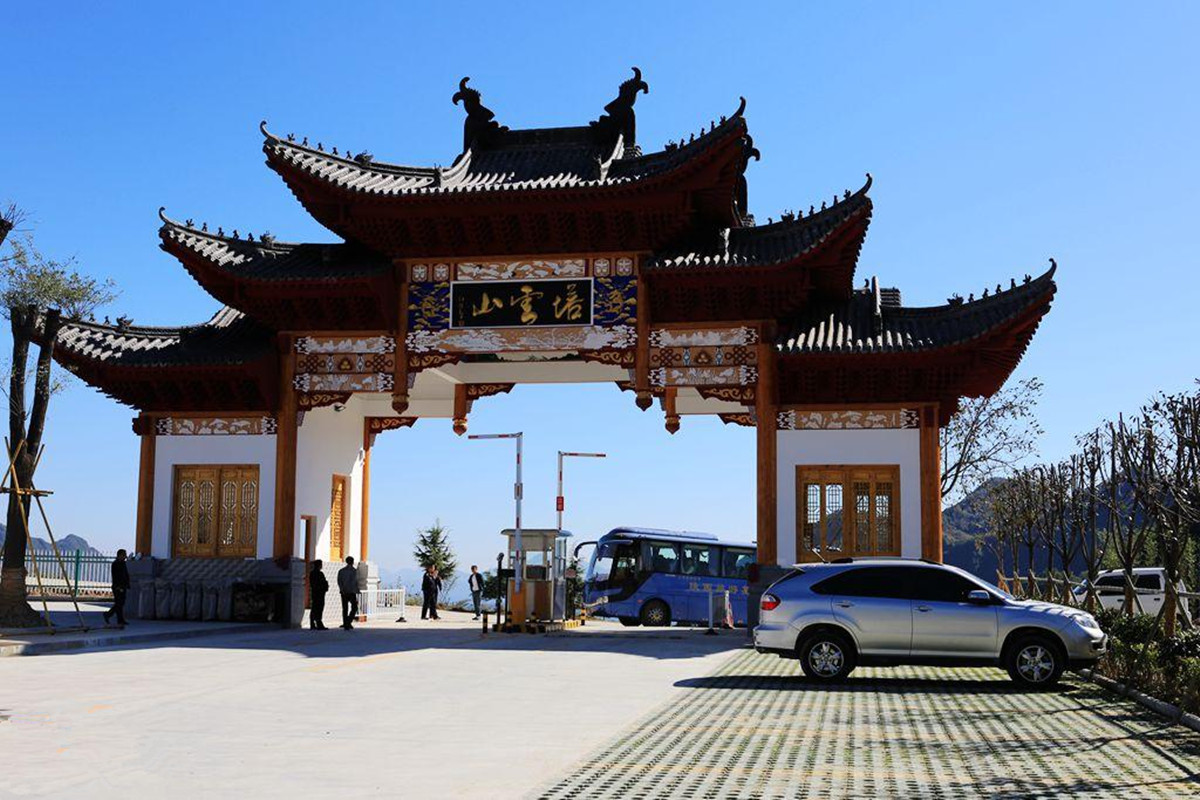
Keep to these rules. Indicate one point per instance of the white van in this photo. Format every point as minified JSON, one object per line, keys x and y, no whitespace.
{"x":1150,"y":582}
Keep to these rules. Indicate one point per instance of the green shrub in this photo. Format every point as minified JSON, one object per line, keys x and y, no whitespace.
{"x":1183,"y":646}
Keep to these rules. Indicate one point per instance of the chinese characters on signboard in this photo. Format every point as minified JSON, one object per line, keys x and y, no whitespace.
{"x":517,"y":304}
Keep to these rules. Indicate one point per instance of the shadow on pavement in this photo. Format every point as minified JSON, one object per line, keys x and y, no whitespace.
{"x":378,"y":638}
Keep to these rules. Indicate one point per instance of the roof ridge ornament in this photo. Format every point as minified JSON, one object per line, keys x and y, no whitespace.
{"x":618,"y":118}
{"x":481,"y":120}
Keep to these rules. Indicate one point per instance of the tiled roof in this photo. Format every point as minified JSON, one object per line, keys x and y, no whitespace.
{"x":531,"y":159}
{"x":776,"y":243}
{"x":229,"y":337}
{"x":868,"y":324}
{"x":270,"y":260}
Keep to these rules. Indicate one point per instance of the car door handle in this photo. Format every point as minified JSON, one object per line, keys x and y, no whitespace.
{"x":845,"y":604}
{"x":924,"y":608}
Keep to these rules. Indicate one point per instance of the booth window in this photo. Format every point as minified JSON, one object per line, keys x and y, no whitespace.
{"x":215,"y":511}
{"x":847,"y":511}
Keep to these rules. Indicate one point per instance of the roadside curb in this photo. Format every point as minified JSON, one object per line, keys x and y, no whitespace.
{"x":99,"y":641}
{"x":1173,"y":713}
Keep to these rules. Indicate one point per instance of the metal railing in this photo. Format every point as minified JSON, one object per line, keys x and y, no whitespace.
{"x":90,"y":574}
{"x":380,"y":603}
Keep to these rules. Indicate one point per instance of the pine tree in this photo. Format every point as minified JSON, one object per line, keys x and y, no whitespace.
{"x":433,"y":549}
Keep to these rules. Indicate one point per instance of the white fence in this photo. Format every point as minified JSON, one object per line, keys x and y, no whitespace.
{"x":381,"y":603}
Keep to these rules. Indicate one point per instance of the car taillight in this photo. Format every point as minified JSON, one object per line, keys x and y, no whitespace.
{"x":769,"y":602}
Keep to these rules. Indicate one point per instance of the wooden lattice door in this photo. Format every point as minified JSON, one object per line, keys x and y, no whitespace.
{"x":337,"y":518}
{"x":847,"y":511}
{"x":216,"y":511}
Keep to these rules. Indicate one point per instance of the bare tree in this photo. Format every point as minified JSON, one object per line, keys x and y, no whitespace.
{"x":1090,"y":467}
{"x":1128,"y":532}
{"x":990,"y":436}
{"x":37,"y":294}
{"x":1160,"y":466}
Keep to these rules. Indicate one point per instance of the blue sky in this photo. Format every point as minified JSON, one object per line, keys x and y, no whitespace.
{"x":999,"y":135}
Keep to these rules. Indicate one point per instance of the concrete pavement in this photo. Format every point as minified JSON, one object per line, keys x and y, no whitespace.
{"x":407,"y":709}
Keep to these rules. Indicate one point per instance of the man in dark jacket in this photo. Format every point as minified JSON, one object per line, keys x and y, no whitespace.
{"x":347,"y":579}
{"x":120,"y":588}
{"x":318,"y":586}
{"x":475,"y":584}
{"x":431,"y":584}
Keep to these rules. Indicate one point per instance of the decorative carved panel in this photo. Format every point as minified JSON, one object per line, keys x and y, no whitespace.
{"x":849,"y":419}
{"x":214,"y":426}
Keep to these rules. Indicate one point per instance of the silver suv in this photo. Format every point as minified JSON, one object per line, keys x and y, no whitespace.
{"x":884,"y":612}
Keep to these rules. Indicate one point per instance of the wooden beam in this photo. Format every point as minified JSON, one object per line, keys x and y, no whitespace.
{"x":285,"y":453}
{"x":641,"y":358}
{"x":364,"y":534}
{"x":765,"y":403}
{"x":931,"y":485}
{"x":144,"y":539}
{"x":400,"y":367}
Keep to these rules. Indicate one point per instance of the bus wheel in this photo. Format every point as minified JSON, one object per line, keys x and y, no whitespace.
{"x":630,"y":622}
{"x":656,"y":614}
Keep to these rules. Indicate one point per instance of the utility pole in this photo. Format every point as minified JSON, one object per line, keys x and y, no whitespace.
{"x":518,"y":492}
{"x":560,"y":503}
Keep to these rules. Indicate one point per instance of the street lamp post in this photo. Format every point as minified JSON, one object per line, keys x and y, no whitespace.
{"x":559,"y":502}
{"x":518,"y":491}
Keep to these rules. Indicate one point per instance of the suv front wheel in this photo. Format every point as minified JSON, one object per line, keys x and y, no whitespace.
{"x":1035,"y":662}
{"x":827,"y":656}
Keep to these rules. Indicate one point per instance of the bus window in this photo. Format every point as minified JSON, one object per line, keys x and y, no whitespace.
{"x":625,"y":562}
{"x":662,"y":557}
{"x":737,"y":563}
{"x":697,"y":560}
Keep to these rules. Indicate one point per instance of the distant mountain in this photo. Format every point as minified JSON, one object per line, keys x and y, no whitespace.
{"x":67,"y":544}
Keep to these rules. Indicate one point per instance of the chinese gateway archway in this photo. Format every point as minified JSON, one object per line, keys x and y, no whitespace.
{"x":540,"y":255}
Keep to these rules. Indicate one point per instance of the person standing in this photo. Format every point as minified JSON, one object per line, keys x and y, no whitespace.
{"x":347,"y":579}
{"x":120,"y":588}
{"x":431,"y":584}
{"x":318,"y":587}
{"x":475,"y":583}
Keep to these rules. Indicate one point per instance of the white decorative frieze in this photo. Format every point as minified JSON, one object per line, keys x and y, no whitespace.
{"x":522,"y":270}
{"x":344,"y":382}
{"x":493,"y":340}
{"x":738,"y":375}
{"x":345,"y":344}
{"x":215,"y":426}
{"x":849,"y":419}
{"x":714,"y":337}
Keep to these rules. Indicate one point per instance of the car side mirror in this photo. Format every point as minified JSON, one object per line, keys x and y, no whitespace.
{"x":979,"y":597}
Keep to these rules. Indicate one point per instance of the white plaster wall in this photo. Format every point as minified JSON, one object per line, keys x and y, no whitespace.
{"x":329,"y":442}
{"x":173,"y":450}
{"x":809,"y":448}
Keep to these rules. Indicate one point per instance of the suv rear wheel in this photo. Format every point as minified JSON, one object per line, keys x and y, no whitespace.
{"x":1035,"y":662}
{"x":827,"y":656}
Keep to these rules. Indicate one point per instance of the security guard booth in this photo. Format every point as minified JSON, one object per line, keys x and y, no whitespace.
{"x":538,"y":591}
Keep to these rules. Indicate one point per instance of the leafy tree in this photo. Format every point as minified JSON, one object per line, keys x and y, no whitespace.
{"x":433,"y":549}
{"x":37,"y":295}
{"x":990,"y":435}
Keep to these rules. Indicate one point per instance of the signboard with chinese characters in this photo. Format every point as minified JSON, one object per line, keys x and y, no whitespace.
{"x":521,"y":304}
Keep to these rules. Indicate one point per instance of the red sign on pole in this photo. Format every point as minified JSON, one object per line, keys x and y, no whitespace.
{"x":558,"y":503}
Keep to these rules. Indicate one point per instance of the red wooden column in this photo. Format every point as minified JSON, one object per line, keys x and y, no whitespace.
{"x":931,"y":485}
{"x":285,"y":453}
{"x":641,"y":353}
{"x":143,"y":541}
{"x":765,"y":413}
{"x":400,"y":367}
{"x":364,"y":534}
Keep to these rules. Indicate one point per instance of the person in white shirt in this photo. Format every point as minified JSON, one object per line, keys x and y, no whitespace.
{"x":475,"y":582}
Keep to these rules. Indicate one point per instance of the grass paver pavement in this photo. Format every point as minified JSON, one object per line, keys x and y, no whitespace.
{"x":757,"y":729}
